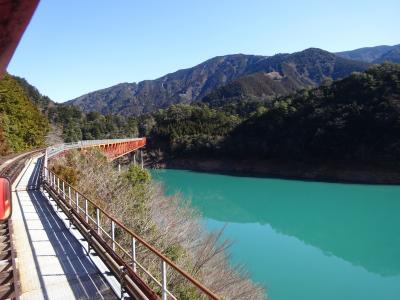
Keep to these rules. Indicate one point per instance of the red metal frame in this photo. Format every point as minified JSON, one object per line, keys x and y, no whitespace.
{"x":115,"y":150}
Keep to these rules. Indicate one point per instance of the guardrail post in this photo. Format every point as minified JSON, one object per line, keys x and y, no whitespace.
{"x":58,"y":185}
{"x":63,"y":189}
{"x":164,"y":280}
{"x":121,"y":280}
{"x":69,"y":195}
{"x":98,"y":219}
{"x":134,"y":159}
{"x":77,"y":202}
{"x":113,"y":234}
{"x":86,"y":211}
{"x":134,"y":254}
{"x":45,"y":165}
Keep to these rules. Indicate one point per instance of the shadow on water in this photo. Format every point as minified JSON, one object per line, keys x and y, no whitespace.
{"x":358,"y":223}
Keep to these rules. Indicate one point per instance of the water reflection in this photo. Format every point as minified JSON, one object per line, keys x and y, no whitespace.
{"x":357,"y":223}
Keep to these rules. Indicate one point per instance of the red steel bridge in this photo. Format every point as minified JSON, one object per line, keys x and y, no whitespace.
{"x":113,"y":148}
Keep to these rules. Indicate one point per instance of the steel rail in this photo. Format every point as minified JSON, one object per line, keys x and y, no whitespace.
{"x":70,"y":203}
{"x":7,"y":167}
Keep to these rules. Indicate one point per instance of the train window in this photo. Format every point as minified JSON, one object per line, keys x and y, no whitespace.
{"x":5,"y":199}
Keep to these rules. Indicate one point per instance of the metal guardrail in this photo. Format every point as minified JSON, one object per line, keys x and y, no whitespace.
{"x":125,"y":252}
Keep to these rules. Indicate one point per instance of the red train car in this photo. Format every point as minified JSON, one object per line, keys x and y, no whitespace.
{"x":5,"y":199}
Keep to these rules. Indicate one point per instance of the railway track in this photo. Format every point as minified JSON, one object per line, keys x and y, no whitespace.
{"x":10,"y":168}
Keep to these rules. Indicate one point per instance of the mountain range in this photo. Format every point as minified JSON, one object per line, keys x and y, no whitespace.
{"x":233,"y":77}
{"x":377,"y":54}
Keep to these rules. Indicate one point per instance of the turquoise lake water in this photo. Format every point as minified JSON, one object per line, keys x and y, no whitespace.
{"x":301,"y":239}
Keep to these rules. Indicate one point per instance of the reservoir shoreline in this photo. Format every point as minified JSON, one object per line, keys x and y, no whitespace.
{"x":335,"y":172}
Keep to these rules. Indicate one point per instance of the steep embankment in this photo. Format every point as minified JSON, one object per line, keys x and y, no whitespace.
{"x":22,"y":125}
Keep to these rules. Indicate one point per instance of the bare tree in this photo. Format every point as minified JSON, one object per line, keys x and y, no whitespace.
{"x":168,"y":223}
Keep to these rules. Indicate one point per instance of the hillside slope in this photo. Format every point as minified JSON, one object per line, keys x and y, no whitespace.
{"x":290,"y":73}
{"x":260,"y":86}
{"x":351,"y":125}
{"x":182,"y":86}
{"x":354,"y":119}
{"x":22,"y":125}
{"x":392,"y":55}
{"x":306,"y":68}
{"x":43,"y":103}
{"x":377,"y":54}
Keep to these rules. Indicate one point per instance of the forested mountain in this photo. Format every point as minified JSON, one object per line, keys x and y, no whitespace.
{"x":376,"y":54}
{"x":22,"y":125}
{"x":182,"y":86}
{"x":260,"y":86}
{"x":353,"y":119}
{"x":77,"y":125}
{"x":28,"y":118}
{"x":391,"y":56}
{"x":264,"y":86}
{"x":279,"y":74}
{"x":43,"y":103}
{"x":356,"y":119}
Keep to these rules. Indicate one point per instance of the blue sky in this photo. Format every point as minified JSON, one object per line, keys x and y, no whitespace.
{"x":72,"y":47}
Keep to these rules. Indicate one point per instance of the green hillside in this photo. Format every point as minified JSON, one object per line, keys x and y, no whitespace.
{"x":43,"y":103}
{"x":22,"y":125}
{"x":356,"y":118}
{"x":77,"y":125}
{"x":68,"y":123}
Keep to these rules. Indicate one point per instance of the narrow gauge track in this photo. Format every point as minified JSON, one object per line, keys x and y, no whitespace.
{"x":4,"y":159}
{"x":10,"y":169}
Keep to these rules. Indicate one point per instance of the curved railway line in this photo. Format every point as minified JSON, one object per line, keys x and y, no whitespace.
{"x":10,"y":167}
